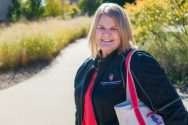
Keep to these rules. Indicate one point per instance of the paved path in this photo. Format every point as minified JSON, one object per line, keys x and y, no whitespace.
{"x":47,"y":98}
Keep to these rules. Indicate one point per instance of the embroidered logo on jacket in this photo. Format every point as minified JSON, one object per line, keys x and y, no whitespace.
{"x":111,"y":76}
{"x":111,"y":80}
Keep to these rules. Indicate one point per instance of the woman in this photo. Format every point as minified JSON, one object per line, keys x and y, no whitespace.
{"x":100,"y":82}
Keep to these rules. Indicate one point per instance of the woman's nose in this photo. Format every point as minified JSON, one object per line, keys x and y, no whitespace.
{"x":106,"y":32}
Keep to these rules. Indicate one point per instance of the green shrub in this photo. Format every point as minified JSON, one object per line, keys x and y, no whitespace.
{"x":160,"y":27}
{"x":172,"y":55}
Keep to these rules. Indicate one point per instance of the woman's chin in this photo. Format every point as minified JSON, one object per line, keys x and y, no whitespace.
{"x":106,"y":52}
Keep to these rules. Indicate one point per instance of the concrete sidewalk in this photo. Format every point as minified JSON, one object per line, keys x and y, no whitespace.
{"x":47,"y":98}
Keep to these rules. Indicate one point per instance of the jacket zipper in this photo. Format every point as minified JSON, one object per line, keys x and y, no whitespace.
{"x":91,"y":96}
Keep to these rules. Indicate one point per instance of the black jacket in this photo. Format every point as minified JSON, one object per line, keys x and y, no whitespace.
{"x":152,"y":85}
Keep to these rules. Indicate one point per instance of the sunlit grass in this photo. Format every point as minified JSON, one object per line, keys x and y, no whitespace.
{"x":25,"y":42}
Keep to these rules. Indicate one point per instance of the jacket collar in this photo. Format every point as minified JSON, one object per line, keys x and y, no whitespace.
{"x":103,"y":62}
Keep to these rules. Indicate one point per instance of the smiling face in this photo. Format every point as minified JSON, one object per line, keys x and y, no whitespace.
{"x":107,"y":35}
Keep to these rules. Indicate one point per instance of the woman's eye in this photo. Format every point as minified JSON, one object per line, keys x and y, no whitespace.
{"x":113,"y":28}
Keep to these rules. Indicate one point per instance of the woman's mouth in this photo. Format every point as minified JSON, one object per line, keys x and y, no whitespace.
{"x":106,"y":42}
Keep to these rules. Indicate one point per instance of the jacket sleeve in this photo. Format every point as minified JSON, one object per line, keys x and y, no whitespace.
{"x":75,"y":100}
{"x":78,"y":75}
{"x":156,"y":91}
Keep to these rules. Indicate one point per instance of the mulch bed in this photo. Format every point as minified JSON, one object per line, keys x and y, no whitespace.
{"x":15,"y":76}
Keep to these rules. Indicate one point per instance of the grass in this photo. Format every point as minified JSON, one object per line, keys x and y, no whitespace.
{"x":26,"y":42}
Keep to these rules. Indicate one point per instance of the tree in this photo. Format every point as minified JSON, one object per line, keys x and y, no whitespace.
{"x":53,"y":8}
{"x":89,"y":6}
{"x":120,"y":2}
{"x":15,"y":10}
{"x":33,"y":9}
{"x":73,"y":10}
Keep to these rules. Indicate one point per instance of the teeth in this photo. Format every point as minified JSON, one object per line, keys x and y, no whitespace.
{"x":107,"y":41}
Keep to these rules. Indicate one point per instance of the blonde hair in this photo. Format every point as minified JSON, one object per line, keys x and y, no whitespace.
{"x":121,"y":19}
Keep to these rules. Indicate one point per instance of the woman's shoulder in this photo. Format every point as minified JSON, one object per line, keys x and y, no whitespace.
{"x":143,"y":56}
{"x":142,"y":59}
{"x":85,"y":64}
{"x":138,"y":54}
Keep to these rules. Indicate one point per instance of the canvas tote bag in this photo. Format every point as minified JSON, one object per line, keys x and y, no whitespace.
{"x":132,"y":111}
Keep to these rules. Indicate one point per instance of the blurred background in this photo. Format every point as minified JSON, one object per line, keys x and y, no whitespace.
{"x":34,"y":31}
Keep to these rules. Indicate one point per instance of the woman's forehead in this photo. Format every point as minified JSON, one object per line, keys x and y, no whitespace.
{"x":105,"y":19}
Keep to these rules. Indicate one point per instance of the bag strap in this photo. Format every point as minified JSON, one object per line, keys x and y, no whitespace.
{"x":131,"y":90}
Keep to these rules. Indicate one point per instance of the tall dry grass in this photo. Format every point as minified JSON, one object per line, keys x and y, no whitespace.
{"x":26,"y":42}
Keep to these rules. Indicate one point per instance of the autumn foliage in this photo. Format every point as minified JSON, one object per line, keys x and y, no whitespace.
{"x":161,"y":27}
